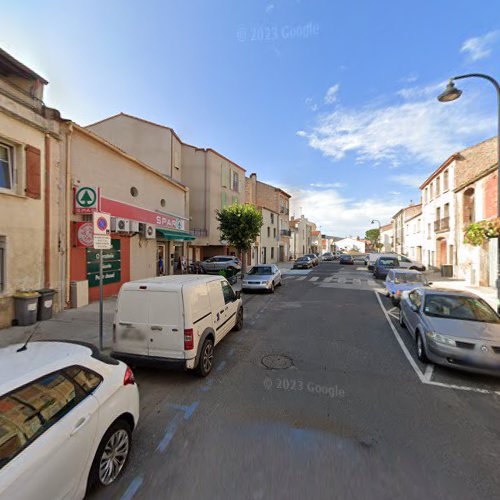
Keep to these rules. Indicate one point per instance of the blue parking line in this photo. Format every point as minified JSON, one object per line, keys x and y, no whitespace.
{"x":188,"y":410}
{"x":231,"y":352}
{"x":132,"y":489}
{"x":207,"y":386}
{"x":169,"y":433}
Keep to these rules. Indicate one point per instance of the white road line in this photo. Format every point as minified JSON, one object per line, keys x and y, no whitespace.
{"x":357,"y":281}
{"x":423,"y":377}
{"x":429,"y":370}
{"x":327,"y":280}
{"x":314,"y":278}
{"x":300,"y":278}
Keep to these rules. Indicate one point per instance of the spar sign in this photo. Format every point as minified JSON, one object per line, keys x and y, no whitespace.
{"x":87,"y":199}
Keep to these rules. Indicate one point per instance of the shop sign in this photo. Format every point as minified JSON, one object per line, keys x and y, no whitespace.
{"x":111,"y":265}
{"x":108,"y":277}
{"x":86,"y":199}
{"x":84,"y":234}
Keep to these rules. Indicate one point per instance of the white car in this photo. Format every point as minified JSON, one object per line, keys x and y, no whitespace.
{"x":262,"y":277}
{"x":175,"y":321}
{"x":404,"y":262}
{"x":67,"y":413}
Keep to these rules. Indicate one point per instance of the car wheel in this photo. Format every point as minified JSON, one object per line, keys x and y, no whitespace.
{"x":239,"y":320}
{"x":421,"y":354}
{"x":395,"y":302}
{"x":112,"y":455}
{"x":401,"y":319}
{"x":206,"y":360}
{"x":413,"y":268}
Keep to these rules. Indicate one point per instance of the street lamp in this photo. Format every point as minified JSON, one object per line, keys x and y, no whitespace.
{"x":451,"y":93}
{"x":379,"y":226}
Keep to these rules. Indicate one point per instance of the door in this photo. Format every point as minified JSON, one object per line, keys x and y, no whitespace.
{"x":264,"y":255}
{"x":412,"y":317}
{"x":218,"y":307}
{"x":47,"y":432}
{"x":230,"y":308}
{"x":165,"y":324}
{"x":161,"y":260}
{"x":132,"y":323}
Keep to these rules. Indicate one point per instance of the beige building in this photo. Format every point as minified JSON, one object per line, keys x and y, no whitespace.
{"x":386,"y":237}
{"x":214,"y":180}
{"x":275,"y":200}
{"x":149,"y":214}
{"x":301,"y":236}
{"x":32,"y":187}
{"x":266,"y":248}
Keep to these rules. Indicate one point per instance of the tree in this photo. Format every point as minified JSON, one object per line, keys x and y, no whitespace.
{"x":240,"y":225}
{"x":372,"y":235}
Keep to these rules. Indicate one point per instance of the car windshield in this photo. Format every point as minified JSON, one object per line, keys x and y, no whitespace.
{"x":409,"y":278}
{"x":386,"y":261}
{"x":260,"y":270}
{"x":303,"y":259}
{"x":459,"y":307}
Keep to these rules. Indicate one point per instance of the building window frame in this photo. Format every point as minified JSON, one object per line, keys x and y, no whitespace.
{"x":3,"y":263}
{"x":235,"y":184}
{"x":10,"y":162}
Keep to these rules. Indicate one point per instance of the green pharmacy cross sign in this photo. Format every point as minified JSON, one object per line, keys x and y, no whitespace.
{"x":86,"y":199}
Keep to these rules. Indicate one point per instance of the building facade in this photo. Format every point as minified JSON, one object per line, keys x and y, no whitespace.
{"x":32,"y":189}
{"x":351,"y":245}
{"x":386,"y":237}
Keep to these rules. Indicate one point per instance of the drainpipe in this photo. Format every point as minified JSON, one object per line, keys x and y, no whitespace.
{"x":67,"y":212}
{"x":46,"y":256}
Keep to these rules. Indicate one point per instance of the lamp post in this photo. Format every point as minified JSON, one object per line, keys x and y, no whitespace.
{"x":451,"y":93}
{"x":379,"y":226}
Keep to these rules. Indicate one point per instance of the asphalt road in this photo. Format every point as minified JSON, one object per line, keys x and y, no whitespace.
{"x":343,"y":414}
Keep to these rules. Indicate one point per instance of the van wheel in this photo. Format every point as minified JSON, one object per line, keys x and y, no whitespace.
{"x":239,"y":320}
{"x":112,"y":455}
{"x":206,"y":358}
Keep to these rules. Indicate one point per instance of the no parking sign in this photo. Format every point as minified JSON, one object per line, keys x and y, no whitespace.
{"x":102,"y":230}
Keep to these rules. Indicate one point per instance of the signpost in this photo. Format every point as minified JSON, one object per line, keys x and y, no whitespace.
{"x":102,"y":241}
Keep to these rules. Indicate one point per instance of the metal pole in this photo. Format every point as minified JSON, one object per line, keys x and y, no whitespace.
{"x":101,"y":304}
{"x":497,"y":88}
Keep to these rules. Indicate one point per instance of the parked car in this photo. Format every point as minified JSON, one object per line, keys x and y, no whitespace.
{"x":262,"y":277}
{"x":453,"y":328}
{"x":175,"y":320}
{"x":328,"y":256}
{"x":67,"y":413}
{"x":346,"y":259}
{"x":383,"y":265}
{"x":404,"y":261}
{"x":314,"y":258}
{"x":401,"y":280}
{"x":220,"y":262}
{"x":303,"y":263}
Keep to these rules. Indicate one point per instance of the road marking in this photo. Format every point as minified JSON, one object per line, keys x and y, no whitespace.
{"x":132,"y":489}
{"x":422,"y":376}
{"x":207,"y":386}
{"x":300,"y":278}
{"x":429,"y":370}
{"x":174,"y":423}
{"x":314,"y":278}
{"x":221,"y":366}
{"x":231,"y":352}
{"x":327,"y":280}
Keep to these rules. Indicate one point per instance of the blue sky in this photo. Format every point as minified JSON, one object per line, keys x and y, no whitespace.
{"x":332,"y":100}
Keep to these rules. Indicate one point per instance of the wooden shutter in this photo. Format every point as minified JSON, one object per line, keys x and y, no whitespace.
{"x":33,"y":173}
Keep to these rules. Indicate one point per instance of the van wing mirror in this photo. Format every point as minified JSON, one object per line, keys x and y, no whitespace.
{"x":238,"y":294}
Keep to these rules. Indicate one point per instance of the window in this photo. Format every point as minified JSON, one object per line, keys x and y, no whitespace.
{"x":2,"y":262}
{"x":272,"y":252}
{"x":235,"y":200}
{"x":228,"y":292}
{"x":445,"y":181}
{"x":134,"y":191}
{"x":224,"y":175}
{"x":469,"y":215}
{"x":85,"y":379}
{"x":274,"y":232}
{"x":236,"y":182}
{"x":268,"y":232}
{"x":27,"y":412}
{"x":162,"y":202}
{"x":223,"y":199}
{"x":6,"y":166}
{"x":446,"y":210}
{"x":437,"y":186}
{"x":272,"y":218}
{"x":415,"y":298}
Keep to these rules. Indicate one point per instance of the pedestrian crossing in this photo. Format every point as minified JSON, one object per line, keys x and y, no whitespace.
{"x":339,"y":280}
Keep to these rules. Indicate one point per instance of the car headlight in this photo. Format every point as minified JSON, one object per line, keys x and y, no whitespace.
{"x":269,"y":283}
{"x":441,"y":339}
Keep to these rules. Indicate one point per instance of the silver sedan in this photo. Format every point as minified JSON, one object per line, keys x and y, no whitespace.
{"x":262,"y":277}
{"x":453,"y":328}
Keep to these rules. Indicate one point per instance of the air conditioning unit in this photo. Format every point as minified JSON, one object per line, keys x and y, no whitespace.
{"x":134,"y":226}
{"x":148,"y":230}
{"x":119,"y":225}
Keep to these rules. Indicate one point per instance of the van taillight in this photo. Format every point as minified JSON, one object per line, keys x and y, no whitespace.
{"x":188,"y":339}
{"x":129,"y":378}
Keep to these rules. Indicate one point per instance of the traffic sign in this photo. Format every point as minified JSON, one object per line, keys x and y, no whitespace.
{"x":87,"y":199}
{"x":101,"y":223}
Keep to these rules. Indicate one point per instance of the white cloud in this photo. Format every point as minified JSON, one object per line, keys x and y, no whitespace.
{"x":480,"y":47}
{"x":338,"y":215}
{"x":331,"y":94}
{"x":411,"y":180}
{"x":327,"y":184}
{"x":269,"y":8}
{"x":420,"y":129}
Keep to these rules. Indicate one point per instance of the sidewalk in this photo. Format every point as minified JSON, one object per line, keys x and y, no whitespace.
{"x":489,"y":294}
{"x":72,"y":324}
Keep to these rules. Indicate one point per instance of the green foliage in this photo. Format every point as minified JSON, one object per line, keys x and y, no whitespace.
{"x":240,"y":225}
{"x":372,"y":235}
{"x":478,"y":233}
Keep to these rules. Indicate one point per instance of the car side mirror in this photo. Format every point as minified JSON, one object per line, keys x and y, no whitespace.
{"x":414,"y":308}
{"x":238,"y":294}
{"x":429,"y":283}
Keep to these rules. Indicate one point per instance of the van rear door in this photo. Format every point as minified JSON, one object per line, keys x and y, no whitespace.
{"x":166,"y":324}
{"x":132,"y":323}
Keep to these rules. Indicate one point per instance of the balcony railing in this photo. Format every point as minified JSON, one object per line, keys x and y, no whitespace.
{"x":199,"y":232}
{"x":286,"y":232}
{"x":442,"y":224}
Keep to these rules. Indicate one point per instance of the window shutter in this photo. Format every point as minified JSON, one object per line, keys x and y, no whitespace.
{"x":223,"y":199}
{"x":33,"y":173}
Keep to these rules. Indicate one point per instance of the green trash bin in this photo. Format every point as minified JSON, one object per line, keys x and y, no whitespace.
{"x":447,"y":271}
{"x":45,"y":304}
{"x":26,"y":308}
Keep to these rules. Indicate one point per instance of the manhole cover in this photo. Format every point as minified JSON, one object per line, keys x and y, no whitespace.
{"x":277,"y":361}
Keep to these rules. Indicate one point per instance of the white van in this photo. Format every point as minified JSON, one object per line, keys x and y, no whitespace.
{"x":404,"y":262}
{"x":175,"y":320}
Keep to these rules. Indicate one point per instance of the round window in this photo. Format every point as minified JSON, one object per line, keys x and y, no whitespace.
{"x":162,"y":202}
{"x":134,"y":191}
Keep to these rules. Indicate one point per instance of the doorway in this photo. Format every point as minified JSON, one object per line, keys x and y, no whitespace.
{"x":160,"y":259}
